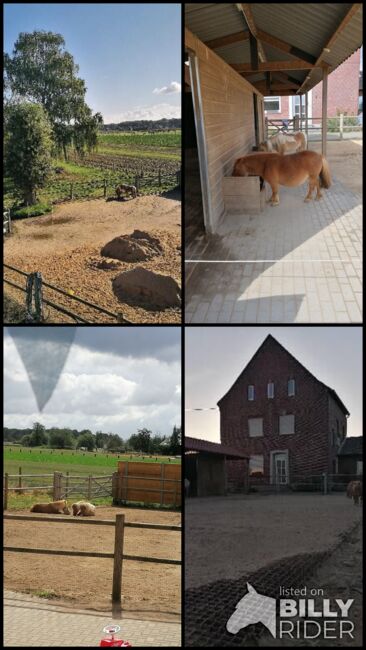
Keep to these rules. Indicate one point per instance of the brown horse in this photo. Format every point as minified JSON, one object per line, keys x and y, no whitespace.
{"x":285,"y":143}
{"x":354,"y":491}
{"x":291,"y":171}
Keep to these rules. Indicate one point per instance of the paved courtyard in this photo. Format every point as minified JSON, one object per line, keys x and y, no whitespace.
{"x":294,"y":263}
{"x":36,"y":622}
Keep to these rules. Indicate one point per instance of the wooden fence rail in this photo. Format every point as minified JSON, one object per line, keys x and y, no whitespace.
{"x":118,"y":556}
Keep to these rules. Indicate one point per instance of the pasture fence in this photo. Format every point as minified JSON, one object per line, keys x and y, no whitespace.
{"x":340,"y":126}
{"x":324,"y":483}
{"x":118,"y":556}
{"x":34,"y":299}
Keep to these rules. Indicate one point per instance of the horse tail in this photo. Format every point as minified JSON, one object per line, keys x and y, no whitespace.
{"x":325,"y":177}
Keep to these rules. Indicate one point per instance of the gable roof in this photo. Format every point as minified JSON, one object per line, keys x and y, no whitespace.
{"x":196,"y":444}
{"x":271,"y":339}
{"x":351,"y":446}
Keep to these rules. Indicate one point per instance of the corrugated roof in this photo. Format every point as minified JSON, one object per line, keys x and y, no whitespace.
{"x":196,"y":444}
{"x":351,"y":446}
{"x":307,"y":26}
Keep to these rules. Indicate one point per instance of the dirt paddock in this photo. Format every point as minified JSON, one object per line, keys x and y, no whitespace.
{"x":233,"y":536}
{"x":65,"y":246}
{"x":151,"y":590}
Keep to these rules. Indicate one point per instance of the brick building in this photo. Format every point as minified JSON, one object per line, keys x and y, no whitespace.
{"x":288,"y":422}
{"x":343,"y":95}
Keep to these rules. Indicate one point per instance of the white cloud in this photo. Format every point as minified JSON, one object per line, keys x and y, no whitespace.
{"x":154,"y":112}
{"x":174,"y":87}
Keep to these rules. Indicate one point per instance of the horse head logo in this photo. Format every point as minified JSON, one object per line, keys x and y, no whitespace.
{"x":253,"y":608}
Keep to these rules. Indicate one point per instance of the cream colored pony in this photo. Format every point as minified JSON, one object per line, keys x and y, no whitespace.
{"x":285,"y":143}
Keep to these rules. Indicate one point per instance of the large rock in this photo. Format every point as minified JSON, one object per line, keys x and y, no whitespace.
{"x":137,"y":247}
{"x":146,"y":288}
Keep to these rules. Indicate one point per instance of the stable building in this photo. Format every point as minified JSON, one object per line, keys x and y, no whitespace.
{"x":205,"y":466}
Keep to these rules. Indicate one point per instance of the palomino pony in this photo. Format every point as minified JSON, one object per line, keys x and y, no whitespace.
{"x":285,"y":143}
{"x":291,"y":171}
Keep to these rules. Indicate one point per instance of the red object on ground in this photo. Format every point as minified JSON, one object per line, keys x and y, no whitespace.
{"x":111,"y":642}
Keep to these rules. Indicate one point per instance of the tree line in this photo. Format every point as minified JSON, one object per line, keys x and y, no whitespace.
{"x":164,"y":124}
{"x":143,"y":441}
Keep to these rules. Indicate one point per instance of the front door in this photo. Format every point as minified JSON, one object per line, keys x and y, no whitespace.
{"x":280,"y":469}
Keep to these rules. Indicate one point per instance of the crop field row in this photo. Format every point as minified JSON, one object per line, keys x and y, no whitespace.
{"x":171,"y":139}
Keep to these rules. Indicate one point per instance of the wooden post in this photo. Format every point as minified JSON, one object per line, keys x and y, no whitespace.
{"x":71,"y":190}
{"x":162,"y":484}
{"x":118,"y":558}
{"x":300,"y":115}
{"x":115,"y":487}
{"x":67,"y":485}
{"x":20,"y":478}
{"x":57,"y":478}
{"x":324,"y":111}
{"x":89,"y":487}
{"x":341,"y":126}
{"x":307,"y":118}
{"x":6,"y":487}
{"x":159,"y":177}
{"x":105,"y":187}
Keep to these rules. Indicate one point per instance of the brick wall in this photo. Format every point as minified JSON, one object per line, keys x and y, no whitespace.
{"x":284,"y":113}
{"x":342,"y":89}
{"x":308,"y":447}
{"x":338,"y":425}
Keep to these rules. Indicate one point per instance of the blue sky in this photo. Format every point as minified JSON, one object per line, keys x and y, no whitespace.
{"x":332,"y":354}
{"x":128,"y":54}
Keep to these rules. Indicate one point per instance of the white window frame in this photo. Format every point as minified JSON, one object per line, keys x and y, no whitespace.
{"x":286,"y":433}
{"x":269,"y":395}
{"x":270,"y":98}
{"x":251,"y":393}
{"x":252,"y":456}
{"x":291,"y":394}
{"x":255,"y":435}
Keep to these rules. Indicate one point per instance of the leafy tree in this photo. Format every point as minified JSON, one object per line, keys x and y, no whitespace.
{"x":86,"y":440}
{"x":41,"y":70}
{"x":38,"y":436}
{"x":140,"y":441}
{"x":25,"y":441}
{"x":28,"y":146}
{"x":60,"y":438}
{"x":175,"y":442}
{"x":101,"y":439}
{"x":115,"y":443}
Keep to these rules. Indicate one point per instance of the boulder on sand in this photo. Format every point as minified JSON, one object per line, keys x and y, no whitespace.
{"x":137,"y":247}
{"x":146,"y":288}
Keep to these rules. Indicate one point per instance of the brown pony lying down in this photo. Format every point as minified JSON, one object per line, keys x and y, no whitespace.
{"x":291,"y":170}
{"x":53,"y":508}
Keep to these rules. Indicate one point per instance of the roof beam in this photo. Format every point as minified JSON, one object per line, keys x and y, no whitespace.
{"x":285,"y":47}
{"x":273,"y":66}
{"x":262,"y":87}
{"x":247,"y":13}
{"x":253,"y":52}
{"x":344,"y":22}
{"x":287,"y":77}
{"x":227,"y":40}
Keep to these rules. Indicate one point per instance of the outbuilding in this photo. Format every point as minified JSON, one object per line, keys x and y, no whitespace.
{"x":205,"y":467}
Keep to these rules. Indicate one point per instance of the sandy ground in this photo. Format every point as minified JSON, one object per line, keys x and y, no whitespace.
{"x":148,"y":589}
{"x":233,"y":536}
{"x":64,"y":247}
{"x":345,"y":160}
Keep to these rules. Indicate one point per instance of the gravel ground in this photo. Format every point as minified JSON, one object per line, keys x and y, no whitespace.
{"x":233,"y":536}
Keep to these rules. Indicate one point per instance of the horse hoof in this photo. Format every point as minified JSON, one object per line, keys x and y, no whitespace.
{"x":307,"y":199}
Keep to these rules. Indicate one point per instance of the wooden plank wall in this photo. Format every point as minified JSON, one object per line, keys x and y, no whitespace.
{"x":149,"y":482}
{"x":228,"y":116}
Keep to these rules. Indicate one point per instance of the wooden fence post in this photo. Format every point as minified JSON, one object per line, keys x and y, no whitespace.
{"x":57,"y":481}
{"x":159,"y":177}
{"x":20,"y":478}
{"x":71,"y":191}
{"x":118,"y":558}
{"x":67,"y":485}
{"x":89,"y":487}
{"x":341,"y":126}
{"x":105,"y":187}
{"x":6,"y":487}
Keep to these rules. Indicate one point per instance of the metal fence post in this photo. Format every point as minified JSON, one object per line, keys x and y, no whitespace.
{"x":118,"y":558}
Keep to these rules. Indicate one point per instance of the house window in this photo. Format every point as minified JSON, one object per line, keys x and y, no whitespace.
{"x":250,"y":393}
{"x":256,"y":466}
{"x":291,"y":387}
{"x":287,"y":424}
{"x":296,"y":105}
{"x":272,"y":104}
{"x":270,"y":390}
{"x":255,"y":427}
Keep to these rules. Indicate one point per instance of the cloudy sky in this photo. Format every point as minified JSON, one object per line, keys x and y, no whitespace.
{"x":215,"y":356}
{"x":116,"y":380}
{"x":129,"y":54}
